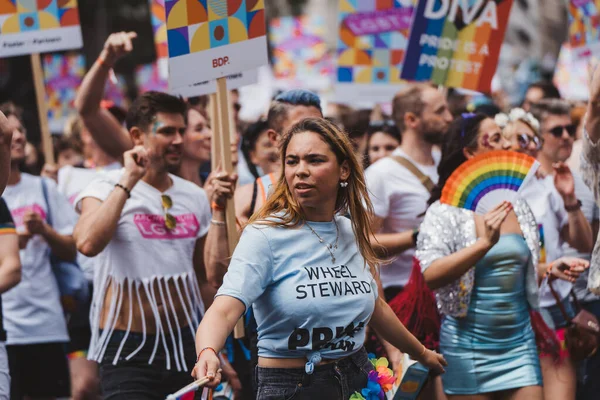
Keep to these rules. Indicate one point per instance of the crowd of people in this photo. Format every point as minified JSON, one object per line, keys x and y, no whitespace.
{"x":345,"y":248}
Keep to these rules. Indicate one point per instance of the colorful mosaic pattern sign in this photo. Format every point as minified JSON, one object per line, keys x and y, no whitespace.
{"x":300,"y":55}
{"x":152,"y":77}
{"x":456,"y":44}
{"x":159,"y":27}
{"x":63,"y":74}
{"x":36,"y":26}
{"x":584,"y":27}
{"x":373,"y":36}
{"x":209,"y":39}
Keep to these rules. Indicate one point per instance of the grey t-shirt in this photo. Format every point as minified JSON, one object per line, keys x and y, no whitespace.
{"x":302,"y":301}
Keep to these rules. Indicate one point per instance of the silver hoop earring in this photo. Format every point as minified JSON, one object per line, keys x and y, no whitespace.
{"x":343,"y":184}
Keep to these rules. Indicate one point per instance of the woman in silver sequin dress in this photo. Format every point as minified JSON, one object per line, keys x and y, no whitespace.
{"x":483,"y":269}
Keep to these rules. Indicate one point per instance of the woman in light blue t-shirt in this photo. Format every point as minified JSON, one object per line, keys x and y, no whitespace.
{"x":310,"y":276}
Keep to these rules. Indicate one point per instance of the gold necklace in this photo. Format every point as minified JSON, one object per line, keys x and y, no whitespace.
{"x":330,"y":248}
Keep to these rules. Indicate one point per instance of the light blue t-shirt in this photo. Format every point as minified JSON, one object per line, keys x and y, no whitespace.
{"x":302,"y":301}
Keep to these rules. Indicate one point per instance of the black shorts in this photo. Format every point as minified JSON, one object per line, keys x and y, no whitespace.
{"x":79,"y":328}
{"x":38,"y":370}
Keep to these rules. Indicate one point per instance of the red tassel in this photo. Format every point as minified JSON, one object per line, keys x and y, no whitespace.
{"x":416,"y":308}
{"x":545,"y":338}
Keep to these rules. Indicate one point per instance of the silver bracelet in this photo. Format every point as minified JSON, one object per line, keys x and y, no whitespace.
{"x":217,"y":223}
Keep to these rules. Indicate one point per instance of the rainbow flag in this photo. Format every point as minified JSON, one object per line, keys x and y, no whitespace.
{"x":456,"y":43}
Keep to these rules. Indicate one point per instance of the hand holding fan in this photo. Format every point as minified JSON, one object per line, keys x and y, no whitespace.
{"x":486,"y":180}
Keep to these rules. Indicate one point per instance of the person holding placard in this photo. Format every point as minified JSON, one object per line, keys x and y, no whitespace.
{"x":155,"y":240}
{"x":310,"y":275}
{"x":33,"y":315}
{"x":113,"y":139}
{"x":483,"y":270}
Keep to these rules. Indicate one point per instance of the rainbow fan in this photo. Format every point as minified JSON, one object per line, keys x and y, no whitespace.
{"x":485,"y":181}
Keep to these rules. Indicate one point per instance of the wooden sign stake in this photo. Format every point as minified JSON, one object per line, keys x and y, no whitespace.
{"x":215,"y":148}
{"x":40,"y":96}
{"x":222,"y":135}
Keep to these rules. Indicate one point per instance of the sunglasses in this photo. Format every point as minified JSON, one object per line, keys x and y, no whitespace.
{"x":379,"y":124}
{"x":557,"y":131}
{"x":167,"y":204}
{"x":525,"y":140}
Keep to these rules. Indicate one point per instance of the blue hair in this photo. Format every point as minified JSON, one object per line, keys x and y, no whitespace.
{"x":300,"y":97}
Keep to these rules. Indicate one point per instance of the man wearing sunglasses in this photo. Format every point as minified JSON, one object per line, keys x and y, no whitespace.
{"x":556,"y":129}
{"x":156,"y":257}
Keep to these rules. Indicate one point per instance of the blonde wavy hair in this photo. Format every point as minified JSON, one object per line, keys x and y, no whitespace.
{"x":282,"y":210}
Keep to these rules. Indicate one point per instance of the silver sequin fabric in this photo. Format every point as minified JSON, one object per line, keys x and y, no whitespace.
{"x":446,"y":230}
{"x":590,"y":171}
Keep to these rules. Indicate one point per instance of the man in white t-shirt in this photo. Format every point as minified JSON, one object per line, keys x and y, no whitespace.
{"x":150,"y":232}
{"x":557,"y":209}
{"x":398,"y":196}
{"x":33,"y":315}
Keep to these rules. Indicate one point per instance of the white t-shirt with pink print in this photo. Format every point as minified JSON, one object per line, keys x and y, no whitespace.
{"x":32,"y":310}
{"x":71,"y":182}
{"x":144,"y":254}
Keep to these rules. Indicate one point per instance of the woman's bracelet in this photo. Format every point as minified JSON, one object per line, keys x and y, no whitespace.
{"x":217,"y":223}
{"x":202,"y":351}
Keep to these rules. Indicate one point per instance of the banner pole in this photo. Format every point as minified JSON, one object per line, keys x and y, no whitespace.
{"x":215,"y":148}
{"x":224,"y":138}
{"x":42,"y":106}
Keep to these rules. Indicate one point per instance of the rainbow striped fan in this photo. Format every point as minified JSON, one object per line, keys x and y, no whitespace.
{"x":484,"y":181}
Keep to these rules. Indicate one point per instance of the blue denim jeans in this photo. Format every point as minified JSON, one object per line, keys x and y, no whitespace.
{"x":554,"y":318}
{"x":135,"y":378}
{"x":334,"y":381}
